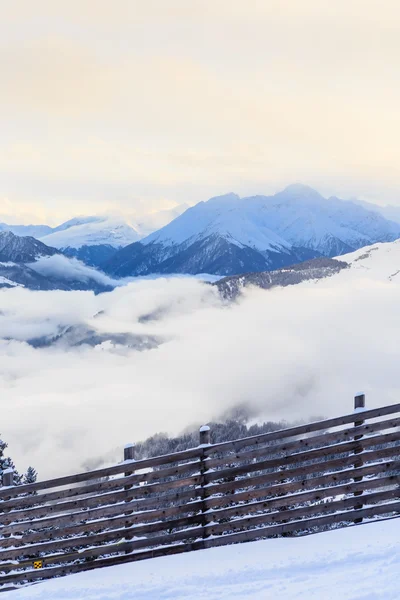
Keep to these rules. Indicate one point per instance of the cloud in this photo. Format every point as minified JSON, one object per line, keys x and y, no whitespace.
{"x":288,"y":353}
{"x":71,"y":269}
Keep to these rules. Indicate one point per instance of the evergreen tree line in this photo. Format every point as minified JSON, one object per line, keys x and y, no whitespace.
{"x":232,"y":429}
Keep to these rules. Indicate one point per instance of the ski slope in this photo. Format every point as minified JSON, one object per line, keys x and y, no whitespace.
{"x":357,"y":563}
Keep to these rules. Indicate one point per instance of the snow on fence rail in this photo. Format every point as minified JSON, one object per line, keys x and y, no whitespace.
{"x":300,"y":480}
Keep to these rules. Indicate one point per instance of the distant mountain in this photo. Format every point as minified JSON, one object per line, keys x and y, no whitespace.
{"x":36,"y":231}
{"x":92,"y":231}
{"x":230,"y":235}
{"x":27,"y":262}
{"x":18,"y":249}
{"x":95,"y":239}
{"x":389,"y":212}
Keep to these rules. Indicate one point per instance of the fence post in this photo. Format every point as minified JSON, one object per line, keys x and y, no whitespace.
{"x":204,"y":438}
{"x":359,"y":403}
{"x":8,"y":477}
{"x":129,"y":455}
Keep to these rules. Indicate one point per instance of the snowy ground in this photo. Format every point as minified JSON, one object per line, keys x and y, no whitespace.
{"x":357,"y":563}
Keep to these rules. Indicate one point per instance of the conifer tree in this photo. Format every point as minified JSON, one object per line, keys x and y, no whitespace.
{"x":6,"y":462}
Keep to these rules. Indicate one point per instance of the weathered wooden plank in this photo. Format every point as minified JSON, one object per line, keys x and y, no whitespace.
{"x":117,"y":523}
{"x":301,"y":430}
{"x":300,"y":513}
{"x":298,"y":526}
{"x":157,"y":461}
{"x":80,"y":507}
{"x":292,"y":500}
{"x":297,"y":472}
{"x":299,"y":457}
{"x":100,"y":487}
{"x":97,"y":510}
{"x":314,"y":484}
{"x":140,"y":509}
{"x":58,"y":526}
{"x":107,"y":498}
{"x":28,"y":551}
{"x":305,"y":443}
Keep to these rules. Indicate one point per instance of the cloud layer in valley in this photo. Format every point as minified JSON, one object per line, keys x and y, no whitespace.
{"x":289,"y":353}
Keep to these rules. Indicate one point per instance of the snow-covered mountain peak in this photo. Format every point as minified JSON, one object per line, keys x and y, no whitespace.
{"x":81,"y":220}
{"x":89,"y":231}
{"x":299,"y":191}
{"x":227,"y":216}
{"x":229,"y":200}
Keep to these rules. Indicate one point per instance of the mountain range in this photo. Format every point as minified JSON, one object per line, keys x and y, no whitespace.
{"x":225,"y":236}
{"x":228,"y":235}
{"x":94,"y":239}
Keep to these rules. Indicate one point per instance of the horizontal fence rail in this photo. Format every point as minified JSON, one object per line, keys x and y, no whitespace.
{"x":295,"y":481}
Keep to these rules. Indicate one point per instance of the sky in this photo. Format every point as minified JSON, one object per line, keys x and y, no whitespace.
{"x":135,"y":106}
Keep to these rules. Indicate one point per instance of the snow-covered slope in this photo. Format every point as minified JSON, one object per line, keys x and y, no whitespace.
{"x":379,"y":262}
{"x":230,"y":235}
{"x":357,"y":563}
{"x":330,"y":226}
{"x":89,"y":231}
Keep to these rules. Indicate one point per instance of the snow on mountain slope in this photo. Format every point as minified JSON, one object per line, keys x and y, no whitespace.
{"x":225,"y":216}
{"x":89,"y":231}
{"x":331,"y":226}
{"x":379,"y":262}
{"x":18,"y":249}
{"x":298,"y":216}
{"x":228,"y":235}
{"x":356,"y":563}
{"x":75,"y":221}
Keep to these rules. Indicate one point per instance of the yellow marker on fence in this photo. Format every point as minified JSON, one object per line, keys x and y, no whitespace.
{"x":38,"y":564}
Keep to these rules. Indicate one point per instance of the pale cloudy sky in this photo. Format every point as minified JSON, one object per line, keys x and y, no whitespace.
{"x":136,"y":105}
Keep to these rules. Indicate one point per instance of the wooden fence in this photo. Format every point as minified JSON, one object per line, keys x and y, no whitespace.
{"x":300,"y":480}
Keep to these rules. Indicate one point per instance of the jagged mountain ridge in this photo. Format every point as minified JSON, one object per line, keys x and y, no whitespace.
{"x":94,"y":239}
{"x":16,"y":249}
{"x":229,"y":235}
